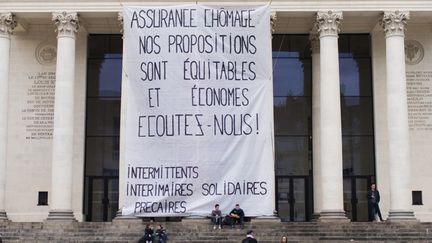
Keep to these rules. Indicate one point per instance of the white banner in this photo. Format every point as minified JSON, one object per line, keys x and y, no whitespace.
{"x":199,"y":125}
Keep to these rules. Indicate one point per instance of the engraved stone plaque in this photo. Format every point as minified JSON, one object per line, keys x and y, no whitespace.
{"x":414,"y":52}
{"x":46,"y":53}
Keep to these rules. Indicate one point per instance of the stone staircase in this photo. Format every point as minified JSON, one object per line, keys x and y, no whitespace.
{"x":266,"y":231}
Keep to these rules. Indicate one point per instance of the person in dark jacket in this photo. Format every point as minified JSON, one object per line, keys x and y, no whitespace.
{"x":237,"y":215}
{"x":249,"y":238}
{"x":373,"y":200}
{"x":148,"y":235}
{"x":160,"y":235}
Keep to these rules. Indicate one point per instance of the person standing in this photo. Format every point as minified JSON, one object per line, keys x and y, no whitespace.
{"x":373,"y":201}
{"x":249,"y":238}
{"x":216,"y":216}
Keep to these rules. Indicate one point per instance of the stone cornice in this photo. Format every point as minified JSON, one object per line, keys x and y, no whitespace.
{"x":48,"y":6}
{"x":7,"y":24}
{"x":394,"y":23}
{"x":328,"y":23}
{"x":67,"y":24}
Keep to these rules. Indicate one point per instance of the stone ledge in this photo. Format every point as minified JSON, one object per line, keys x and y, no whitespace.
{"x":402,"y":217}
{"x":333,"y":216}
{"x":61,"y":215}
{"x":3,"y":216}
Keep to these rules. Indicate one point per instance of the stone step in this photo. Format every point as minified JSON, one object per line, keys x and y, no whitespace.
{"x":202,"y":231}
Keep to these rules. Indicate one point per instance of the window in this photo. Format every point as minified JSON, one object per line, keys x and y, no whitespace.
{"x":104,"y":73}
{"x":417,"y":198}
{"x":292,"y":102}
{"x":42,"y":198}
{"x":356,"y":105}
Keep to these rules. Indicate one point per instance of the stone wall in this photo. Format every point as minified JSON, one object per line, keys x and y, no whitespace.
{"x":30,"y":117}
{"x":419,"y":85}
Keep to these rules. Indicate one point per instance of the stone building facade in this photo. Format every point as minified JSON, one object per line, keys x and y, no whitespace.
{"x":54,"y":162}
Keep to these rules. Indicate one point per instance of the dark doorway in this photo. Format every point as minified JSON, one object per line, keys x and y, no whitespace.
{"x":355,"y":197}
{"x":355,"y":67}
{"x":104,"y":66}
{"x":292,"y":198}
{"x":102,"y":198}
{"x":292,"y":72}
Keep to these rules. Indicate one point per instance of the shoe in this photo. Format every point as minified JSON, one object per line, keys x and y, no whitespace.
{"x":220,"y":227}
{"x":214,"y":227}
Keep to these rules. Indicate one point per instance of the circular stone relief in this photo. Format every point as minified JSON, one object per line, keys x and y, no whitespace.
{"x":414,"y":52}
{"x":46,"y":53}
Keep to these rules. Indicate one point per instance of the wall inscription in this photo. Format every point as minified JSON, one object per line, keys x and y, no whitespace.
{"x":38,"y":113}
{"x":419,"y":91}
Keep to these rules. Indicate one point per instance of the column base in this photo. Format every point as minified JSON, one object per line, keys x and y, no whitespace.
{"x":195,"y":219}
{"x":121,"y":217}
{"x":266,"y":219}
{"x":63,"y":215}
{"x":3,"y":215}
{"x":126,"y":219}
{"x":315,"y":217}
{"x":339,"y":216}
{"x":401,"y":216}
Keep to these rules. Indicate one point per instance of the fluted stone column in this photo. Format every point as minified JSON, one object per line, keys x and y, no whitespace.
{"x":7,"y":24}
{"x":316,"y":122}
{"x":62,"y":155}
{"x":330,"y":118}
{"x":397,"y":117}
{"x":122,"y":178}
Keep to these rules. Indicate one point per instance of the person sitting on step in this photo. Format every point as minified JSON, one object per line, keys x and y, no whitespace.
{"x":148,"y":235}
{"x":237,"y":215}
{"x":216,"y":217}
{"x":160,"y":235}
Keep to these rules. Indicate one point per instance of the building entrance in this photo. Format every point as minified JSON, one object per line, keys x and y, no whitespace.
{"x":355,"y":197}
{"x":357,"y":122}
{"x":292,"y":91}
{"x":104,"y":65}
{"x":102,"y":198}
{"x":292,"y":198}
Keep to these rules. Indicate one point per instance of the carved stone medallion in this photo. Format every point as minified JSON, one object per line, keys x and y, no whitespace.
{"x":46,"y":53}
{"x":414,"y":52}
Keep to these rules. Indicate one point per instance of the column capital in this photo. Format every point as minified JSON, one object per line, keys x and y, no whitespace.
{"x":314,"y":40}
{"x":67,"y":23}
{"x":273,"y":18}
{"x":7,"y":24}
{"x":394,"y":22}
{"x":120,"y":19}
{"x":328,"y":22}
